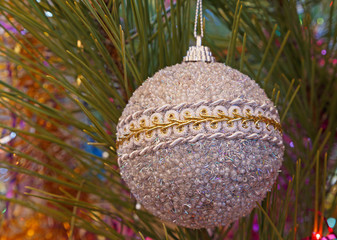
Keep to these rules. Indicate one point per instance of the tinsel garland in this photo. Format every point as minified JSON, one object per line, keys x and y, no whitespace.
{"x":19,"y":222}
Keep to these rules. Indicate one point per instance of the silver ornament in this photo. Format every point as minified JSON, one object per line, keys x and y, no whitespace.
{"x":199,"y":143}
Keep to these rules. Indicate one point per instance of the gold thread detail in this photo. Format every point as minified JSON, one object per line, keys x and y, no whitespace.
{"x":196,"y":121}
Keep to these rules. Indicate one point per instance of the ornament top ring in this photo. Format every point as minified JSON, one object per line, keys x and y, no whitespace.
{"x":199,"y":143}
{"x":199,"y":53}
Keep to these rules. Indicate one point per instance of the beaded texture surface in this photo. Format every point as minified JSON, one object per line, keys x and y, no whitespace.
{"x":200,"y":174}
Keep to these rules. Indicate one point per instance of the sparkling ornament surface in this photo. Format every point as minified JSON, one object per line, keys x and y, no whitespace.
{"x":214,"y":146}
{"x":192,"y":82}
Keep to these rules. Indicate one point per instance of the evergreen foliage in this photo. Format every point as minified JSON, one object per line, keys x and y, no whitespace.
{"x":106,"y":49}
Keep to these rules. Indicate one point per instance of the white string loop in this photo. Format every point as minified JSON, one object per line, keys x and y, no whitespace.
{"x":197,"y":14}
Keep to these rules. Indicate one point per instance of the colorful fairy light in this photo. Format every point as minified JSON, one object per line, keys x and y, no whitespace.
{"x":331,"y":222}
{"x":320,"y":21}
{"x":7,"y":138}
{"x":330,"y":237}
{"x":48,"y":14}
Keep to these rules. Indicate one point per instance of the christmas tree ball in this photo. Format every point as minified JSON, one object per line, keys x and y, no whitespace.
{"x":199,"y":144}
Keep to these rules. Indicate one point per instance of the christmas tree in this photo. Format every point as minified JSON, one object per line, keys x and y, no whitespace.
{"x":69,"y":68}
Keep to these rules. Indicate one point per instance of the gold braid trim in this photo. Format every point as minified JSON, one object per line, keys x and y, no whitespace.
{"x":196,"y":121}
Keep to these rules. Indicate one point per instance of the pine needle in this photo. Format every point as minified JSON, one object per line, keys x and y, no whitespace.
{"x":270,"y":221}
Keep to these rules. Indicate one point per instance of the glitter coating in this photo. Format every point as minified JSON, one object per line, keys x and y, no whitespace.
{"x":192,"y":82}
{"x":210,"y":182}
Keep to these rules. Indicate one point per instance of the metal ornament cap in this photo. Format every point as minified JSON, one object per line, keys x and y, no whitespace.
{"x":199,"y":53}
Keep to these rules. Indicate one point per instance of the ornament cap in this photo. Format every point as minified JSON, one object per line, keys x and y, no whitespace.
{"x":199,"y":53}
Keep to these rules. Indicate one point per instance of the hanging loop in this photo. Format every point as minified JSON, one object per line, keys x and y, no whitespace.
{"x":199,"y":53}
{"x":198,"y":13}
